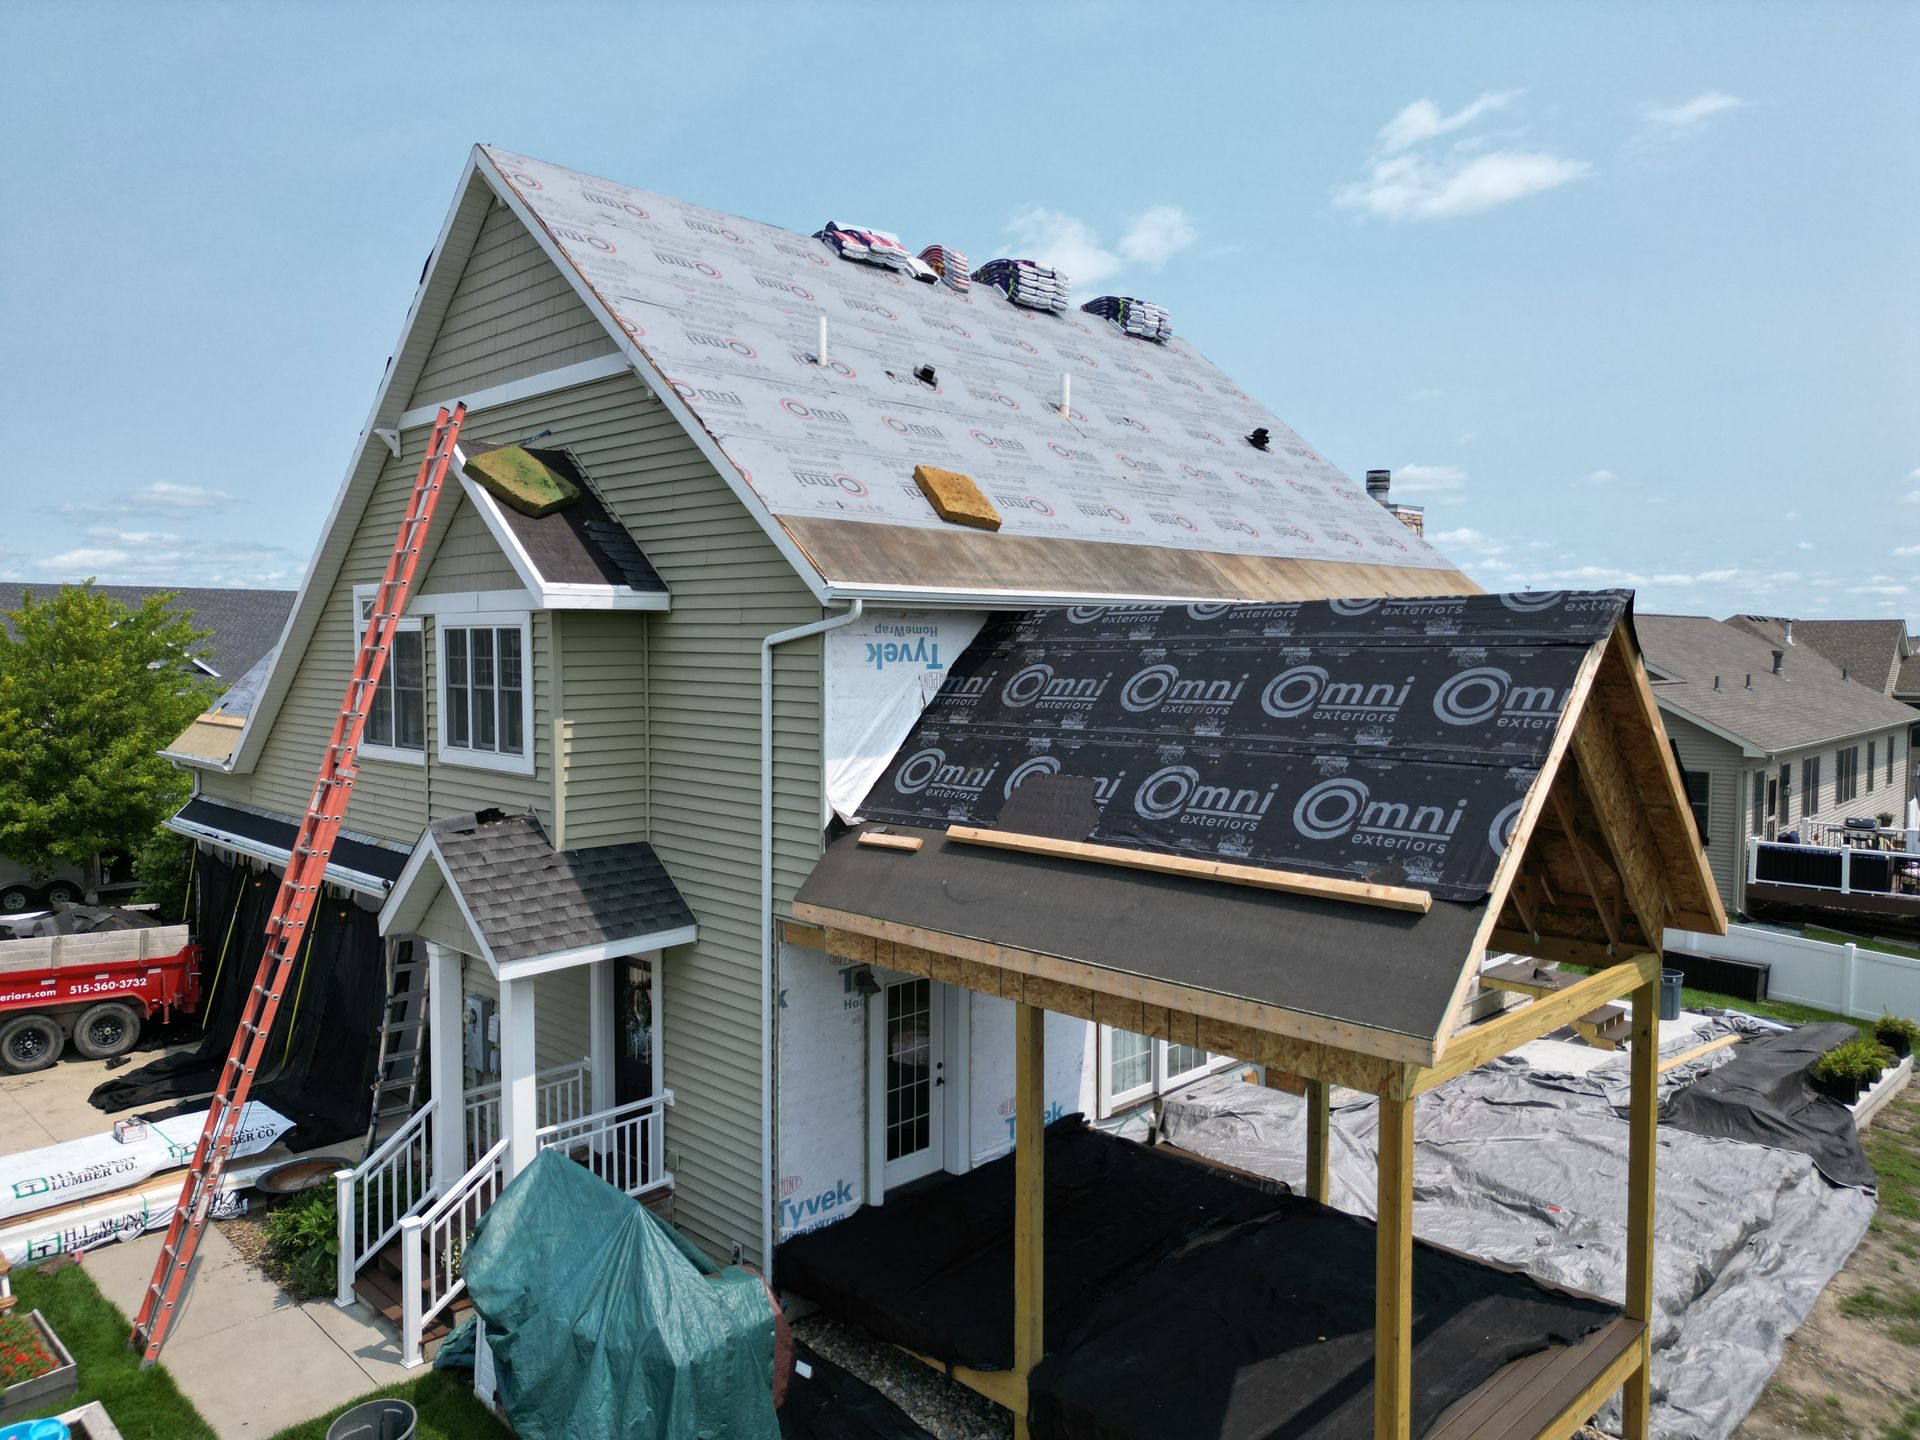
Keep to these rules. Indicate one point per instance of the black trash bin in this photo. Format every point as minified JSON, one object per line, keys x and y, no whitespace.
{"x":1670,"y":983}
{"x":375,"y":1420}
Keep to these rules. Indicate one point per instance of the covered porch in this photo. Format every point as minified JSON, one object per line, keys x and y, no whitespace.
{"x":527,"y":950}
{"x":1060,"y":899}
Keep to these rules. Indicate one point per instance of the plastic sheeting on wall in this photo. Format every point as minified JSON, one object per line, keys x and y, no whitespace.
{"x":822,"y":1100}
{"x":880,"y":673}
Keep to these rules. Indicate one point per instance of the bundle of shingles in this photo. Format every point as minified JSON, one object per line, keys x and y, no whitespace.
{"x":1025,"y":283}
{"x":949,"y":264}
{"x":874,"y":247}
{"x":1135,"y":317}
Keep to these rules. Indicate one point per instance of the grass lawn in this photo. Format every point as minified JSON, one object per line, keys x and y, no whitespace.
{"x":444,"y":1399}
{"x":1782,"y":1010}
{"x":1865,"y":942}
{"x":144,"y":1404}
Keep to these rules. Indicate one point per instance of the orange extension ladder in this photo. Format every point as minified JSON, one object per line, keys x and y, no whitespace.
{"x":299,"y":891}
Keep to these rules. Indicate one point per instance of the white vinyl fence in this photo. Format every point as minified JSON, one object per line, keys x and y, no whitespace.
{"x":1846,"y":979}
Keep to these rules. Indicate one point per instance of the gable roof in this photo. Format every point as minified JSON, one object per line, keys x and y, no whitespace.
{"x":245,"y":623}
{"x":1147,"y":487}
{"x":921,"y":565}
{"x":1807,"y":704}
{"x":1906,"y":684}
{"x":1869,"y":651}
{"x":530,"y":906}
{"x":1498,"y":756}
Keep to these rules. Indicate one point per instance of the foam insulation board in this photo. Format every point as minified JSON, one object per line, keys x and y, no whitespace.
{"x":956,"y":498}
{"x":1152,"y":452}
{"x":515,"y":478}
{"x":881,"y":672}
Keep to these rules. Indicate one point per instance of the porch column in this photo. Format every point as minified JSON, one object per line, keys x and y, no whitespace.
{"x":519,"y":1086}
{"x":1393,"y":1274}
{"x":1029,"y":1199}
{"x":1317,"y":1108}
{"x":446,"y":1066}
{"x":1643,"y":1143}
{"x":602,"y":1042}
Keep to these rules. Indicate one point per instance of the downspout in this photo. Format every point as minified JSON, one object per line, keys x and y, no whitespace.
{"x":769,"y":1182}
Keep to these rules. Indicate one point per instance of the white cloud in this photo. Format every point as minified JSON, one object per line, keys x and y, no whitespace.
{"x":1883,"y":589}
{"x":1804,"y":545}
{"x":1597,"y":478}
{"x":1417,"y":187}
{"x":1445,"y":483}
{"x":1906,"y":551}
{"x":1065,"y":242}
{"x":165,"y":495}
{"x":1689,"y":115}
{"x":86,"y":558}
{"x":1422,"y":120}
{"x":158,"y":557}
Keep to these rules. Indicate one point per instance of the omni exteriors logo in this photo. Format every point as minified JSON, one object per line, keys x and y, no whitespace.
{"x":524,"y":180}
{"x":831,"y":480}
{"x":1487,"y":694}
{"x":585,"y":237}
{"x":1344,"y":808}
{"x":614,"y":202}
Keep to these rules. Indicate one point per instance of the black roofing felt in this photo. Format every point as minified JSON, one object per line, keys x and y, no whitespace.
{"x":530,"y":899}
{"x":579,"y":544}
{"x":1386,"y":740}
{"x":1385,"y":969}
{"x":355,"y":855}
{"x":246,"y":624}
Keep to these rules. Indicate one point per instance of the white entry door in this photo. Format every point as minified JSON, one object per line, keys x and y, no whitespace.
{"x":909,"y":1078}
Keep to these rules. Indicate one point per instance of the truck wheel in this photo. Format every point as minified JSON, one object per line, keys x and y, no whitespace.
{"x":106,"y":1030}
{"x":63,"y":892}
{"x":15,"y":898}
{"x":29,"y":1043}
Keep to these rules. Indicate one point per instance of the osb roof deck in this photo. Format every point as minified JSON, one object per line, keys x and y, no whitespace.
{"x":1497,"y":757}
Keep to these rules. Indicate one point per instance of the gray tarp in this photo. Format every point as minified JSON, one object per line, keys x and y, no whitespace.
{"x":1530,"y":1168}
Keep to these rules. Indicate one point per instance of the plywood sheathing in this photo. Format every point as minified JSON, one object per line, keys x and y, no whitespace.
{"x":956,"y":498}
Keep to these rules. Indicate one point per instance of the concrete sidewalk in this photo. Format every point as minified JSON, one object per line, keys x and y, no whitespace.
{"x":251,"y":1358}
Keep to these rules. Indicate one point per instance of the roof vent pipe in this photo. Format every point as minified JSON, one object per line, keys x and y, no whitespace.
{"x":1789,"y":632}
{"x":1749,"y":680}
{"x":1378,"y":483}
{"x":1779,"y":658}
{"x":1716,"y":685}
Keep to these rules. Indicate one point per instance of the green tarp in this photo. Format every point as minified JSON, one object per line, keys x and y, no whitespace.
{"x":604,"y":1322}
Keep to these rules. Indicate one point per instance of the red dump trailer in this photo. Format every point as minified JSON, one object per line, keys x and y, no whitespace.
{"x":94,"y":989}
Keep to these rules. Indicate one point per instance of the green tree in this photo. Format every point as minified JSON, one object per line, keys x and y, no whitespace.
{"x":90,"y":692}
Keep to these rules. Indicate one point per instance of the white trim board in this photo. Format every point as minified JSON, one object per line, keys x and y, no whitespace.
{"x":355,"y":880}
{"x":528,"y":387}
{"x":547,"y":595}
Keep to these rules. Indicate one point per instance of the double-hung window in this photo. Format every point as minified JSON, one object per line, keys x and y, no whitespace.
{"x":1134,"y":1068}
{"x":396,"y":726}
{"x":486,"y":695}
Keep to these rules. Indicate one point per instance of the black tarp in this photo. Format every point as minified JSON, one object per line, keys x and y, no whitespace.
{"x":1762,"y":1096}
{"x":321,"y":1053}
{"x":1267,"y":1332}
{"x":1374,"y":739}
{"x":829,"y":1403}
{"x":932,"y":1269}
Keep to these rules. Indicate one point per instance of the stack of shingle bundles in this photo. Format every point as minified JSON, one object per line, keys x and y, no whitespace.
{"x":1136,"y":317}
{"x":950,"y":265}
{"x":1025,"y":283}
{"x":874,"y":247}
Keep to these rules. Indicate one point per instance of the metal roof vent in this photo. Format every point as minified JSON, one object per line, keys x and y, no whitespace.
{"x":1779,"y":658}
{"x":1716,"y":686}
{"x":1789,"y":632}
{"x":1379,"y":482}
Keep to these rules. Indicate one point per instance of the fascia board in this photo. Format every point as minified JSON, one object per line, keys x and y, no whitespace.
{"x":656,"y":380}
{"x":606,"y":950}
{"x":530,"y":387}
{"x":336,"y":874}
{"x":304,"y":616}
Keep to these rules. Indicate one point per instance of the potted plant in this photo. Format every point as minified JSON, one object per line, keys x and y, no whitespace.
{"x":1847,"y":1070}
{"x":36,"y":1371}
{"x":1897,"y":1034}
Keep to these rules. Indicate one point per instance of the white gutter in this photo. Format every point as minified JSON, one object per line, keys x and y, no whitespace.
{"x":769,"y":1182}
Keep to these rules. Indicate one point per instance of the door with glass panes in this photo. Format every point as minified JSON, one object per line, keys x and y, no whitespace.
{"x":908,"y":1077}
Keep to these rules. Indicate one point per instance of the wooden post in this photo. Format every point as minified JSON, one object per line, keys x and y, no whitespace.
{"x":1393,"y":1275}
{"x":1643,"y":1141}
{"x":1029,"y":1201}
{"x":1317,"y":1093}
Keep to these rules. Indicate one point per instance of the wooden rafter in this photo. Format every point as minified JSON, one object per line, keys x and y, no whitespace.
{"x":1615,"y":800}
{"x":1586,"y":861}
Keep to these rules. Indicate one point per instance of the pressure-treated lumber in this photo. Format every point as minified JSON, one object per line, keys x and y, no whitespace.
{"x":1291,"y":882}
{"x":880,"y":840}
{"x":1318,"y":1094}
{"x":1029,"y":1191}
{"x":1003,"y":1387}
{"x":1393,"y":1275}
{"x":1694,"y":1054}
{"x":1643,"y":1145}
{"x":1470,"y":1049}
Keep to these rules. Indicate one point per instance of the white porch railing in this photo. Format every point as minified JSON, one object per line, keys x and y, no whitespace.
{"x":624,"y":1146}
{"x":433,"y":1246}
{"x":560,"y":1094}
{"x":375,"y":1198}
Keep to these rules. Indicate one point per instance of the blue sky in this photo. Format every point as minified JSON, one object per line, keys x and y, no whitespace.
{"x":1623,"y":294}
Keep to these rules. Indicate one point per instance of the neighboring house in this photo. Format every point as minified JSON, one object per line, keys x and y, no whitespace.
{"x":245,"y":625}
{"x":611,"y":739}
{"x":1771,"y":737}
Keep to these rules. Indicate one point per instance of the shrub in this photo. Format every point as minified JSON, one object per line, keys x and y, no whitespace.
{"x":304,"y":1236}
{"x":1896,"y":1033}
{"x":1857,"y":1061}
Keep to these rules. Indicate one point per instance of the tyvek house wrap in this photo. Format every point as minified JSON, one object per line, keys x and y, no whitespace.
{"x":1152,"y":452}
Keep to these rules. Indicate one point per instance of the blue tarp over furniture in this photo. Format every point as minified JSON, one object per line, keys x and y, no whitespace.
{"x":604,"y":1322}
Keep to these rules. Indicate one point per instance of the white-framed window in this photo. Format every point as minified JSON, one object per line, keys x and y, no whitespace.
{"x":1135,"y":1068}
{"x":397,"y":721}
{"x":486,"y":690}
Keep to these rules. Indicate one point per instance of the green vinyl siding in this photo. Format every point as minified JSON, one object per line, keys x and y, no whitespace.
{"x":603,"y":717}
{"x":466,"y":556}
{"x":560,"y":1009}
{"x":512,"y":315}
{"x":1729,"y":801}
